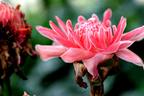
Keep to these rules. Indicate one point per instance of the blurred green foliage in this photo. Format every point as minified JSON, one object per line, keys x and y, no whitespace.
{"x":54,"y":77}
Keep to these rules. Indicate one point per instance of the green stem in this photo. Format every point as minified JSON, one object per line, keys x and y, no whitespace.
{"x":6,"y":87}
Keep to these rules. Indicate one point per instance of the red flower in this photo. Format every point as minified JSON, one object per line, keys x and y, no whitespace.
{"x":14,"y":35}
{"x":14,"y":20}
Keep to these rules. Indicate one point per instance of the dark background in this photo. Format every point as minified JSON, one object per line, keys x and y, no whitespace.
{"x":54,"y":77}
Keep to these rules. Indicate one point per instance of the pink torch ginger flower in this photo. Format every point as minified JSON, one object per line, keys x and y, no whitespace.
{"x":91,"y":41}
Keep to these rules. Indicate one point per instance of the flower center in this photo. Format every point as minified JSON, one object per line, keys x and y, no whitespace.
{"x":89,"y":27}
{"x":93,"y":34}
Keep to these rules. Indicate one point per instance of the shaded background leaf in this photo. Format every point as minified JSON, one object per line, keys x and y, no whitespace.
{"x":54,"y":77}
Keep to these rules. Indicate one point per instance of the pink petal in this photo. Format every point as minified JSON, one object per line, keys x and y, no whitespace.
{"x":92,"y":63}
{"x":129,"y":56}
{"x":48,"y":52}
{"x":86,"y":41}
{"x":96,"y":17}
{"x":70,"y":32}
{"x":57,"y":30}
{"x":96,"y":39}
{"x":114,"y":29}
{"x":112,"y":48}
{"x":107,"y":15}
{"x":46,"y":32}
{"x":69,"y":41}
{"x":60,"y":38}
{"x":54,"y":36}
{"x":76,"y":54}
{"x":80,"y":19}
{"x":103,"y":38}
{"x":134,"y":35}
{"x":109,"y":36}
{"x":120,"y":30}
{"x":125,"y":44}
{"x":65,"y":42}
{"x":95,"y":43}
{"x":61,"y":24}
{"x":72,"y":35}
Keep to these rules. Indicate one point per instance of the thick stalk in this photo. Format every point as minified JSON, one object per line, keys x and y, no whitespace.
{"x":96,"y":90}
{"x":96,"y":86}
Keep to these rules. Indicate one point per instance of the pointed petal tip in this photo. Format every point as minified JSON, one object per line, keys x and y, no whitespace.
{"x":136,"y":34}
{"x":38,"y":27}
{"x":109,"y":10}
{"x":93,"y":15}
{"x":47,"y":52}
{"x":81,"y":18}
{"x":129,"y":56}
{"x":107,"y":15}
{"x":123,"y":18}
{"x":50,"y":21}
{"x":69,"y":23}
{"x":37,"y":48}
{"x":143,"y":66}
{"x":57,"y":18}
{"x":37,"y":45}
